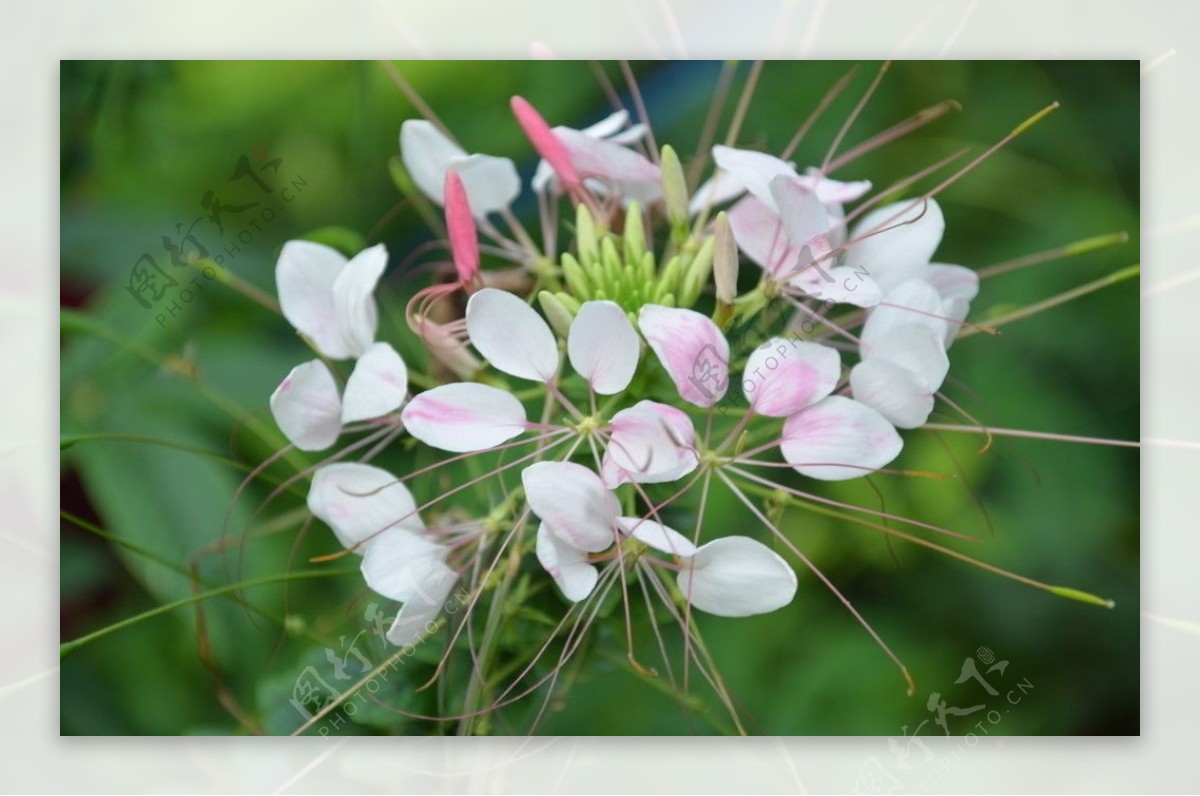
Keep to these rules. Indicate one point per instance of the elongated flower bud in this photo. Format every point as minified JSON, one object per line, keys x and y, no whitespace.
{"x":556,"y":312}
{"x":460,"y":228}
{"x":725,"y":261}
{"x":674,"y":185}
{"x":545,"y":142}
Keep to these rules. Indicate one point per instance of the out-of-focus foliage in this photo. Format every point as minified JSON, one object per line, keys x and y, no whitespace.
{"x":165,"y":412}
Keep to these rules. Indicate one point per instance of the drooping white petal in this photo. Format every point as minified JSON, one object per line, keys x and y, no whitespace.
{"x":354,"y":299}
{"x":839,"y":284}
{"x":464,"y":417}
{"x":896,"y":392}
{"x":754,"y":170}
{"x":783,"y":376}
{"x":913,"y":346}
{"x":423,"y":607}
{"x":377,"y":385}
{"x":573,"y":502}
{"x":658,"y":536}
{"x":800,"y":211}
{"x":568,"y":565}
{"x":902,"y":246}
{"x":426,"y":153}
{"x":511,"y":335}
{"x":649,"y":443}
{"x":603,"y":346}
{"x":838,"y":439}
{"x":691,"y":349}
{"x":957,"y":286}
{"x":304,"y":277}
{"x":833,"y":192}
{"x":491,"y":183}
{"x":362,"y":504}
{"x":911,"y":302}
{"x":737,"y":576}
{"x":398,"y":564}
{"x":307,"y":408}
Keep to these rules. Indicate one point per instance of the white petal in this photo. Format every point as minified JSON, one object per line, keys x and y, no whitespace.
{"x":573,"y":502}
{"x":783,"y":376}
{"x":376,"y":386}
{"x":894,"y":391}
{"x":737,"y":576}
{"x":658,"y":536}
{"x":760,"y":235}
{"x":840,"y":285}
{"x":464,"y":417}
{"x":398,"y":564}
{"x":511,"y":335}
{"x":423,"y":607}
{"x":426,"y":154}
{"x":957,"y":286}
{"x":362,"y":504}
{"x":833,"y":192}
{"x":913,"y":346}
{"x":911,"y":302}
{"x":801,"y":212}
{"x":609,"y":161}
{"x":491,"y":183}
{"x":754,"y":170}
{"x":608,"y":126}
{"x":304,"y":277}
{"x":719,"y":188}
{"x":354,"y":299}
{"x":903,"y":246}
{"x":650,"y":443}
{"x":838,"y":439}
{"x":692,"y":350}
{"x":307,"y":408}
{"x":603,"y":346}
{"x":566,"y":564}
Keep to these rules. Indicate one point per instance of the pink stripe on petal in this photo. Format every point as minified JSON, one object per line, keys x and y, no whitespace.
{"x":692,"y":350}
{"x":545,"y":142}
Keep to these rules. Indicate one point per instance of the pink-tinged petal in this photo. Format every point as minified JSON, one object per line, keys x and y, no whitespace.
{"x":754,"y":170}
{"x":716,"y":190}
{"x":354,"y":299}
{"x":377,"y":385}
{"x":660,"y":537}
{"x":545,"y":142}
{"x":957,"y":286}
{"x":691,"y":349}
{"x":573,"y":503}
{"x":511,"y":335}
{"x":568,"y":565}
{"x":464,"y":417}
{"x":307,"y":408}
{"x":304,"y":277}
{"x":649,"y":443}
{"x":783,"y":376}
{"x":363,"y":504}
{"x":901,"y":247}
{"x":609,"y":126}
{"x":895,"y":392}
{"x":603,"y":346}
{"x":915,"y":347}
{"x":460,"y":228}
{"x":759,"y":234}
{"x":838,"y":439}
{"x":737,"y":576}
{"x":913,"y":302}
{"x":833,"y":192}
{"x":418,"y":616}
{"x":615,"y":168}
{"x":800,"y":211}
{"x":840,"y":285}
{"x":426,"y":153}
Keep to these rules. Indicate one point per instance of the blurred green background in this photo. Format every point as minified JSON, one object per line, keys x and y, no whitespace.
{"x":159,"y":418}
